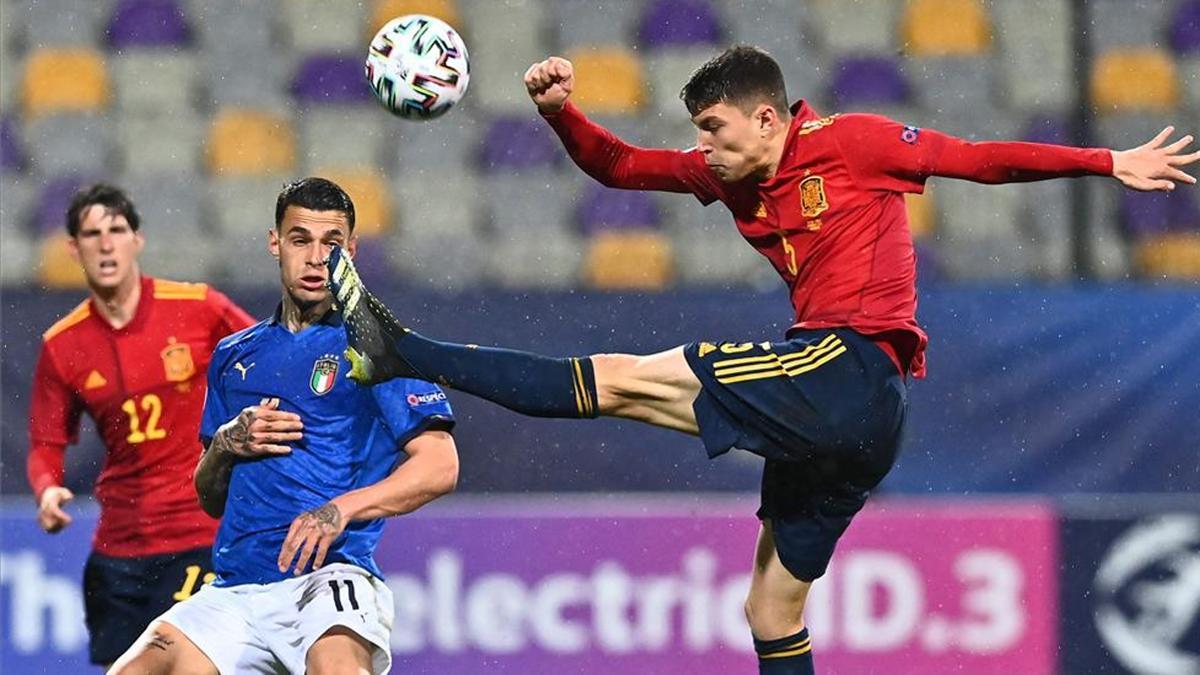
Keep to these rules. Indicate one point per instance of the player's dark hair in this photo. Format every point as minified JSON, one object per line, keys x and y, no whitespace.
{"x":742,"y":76}
{"x":110,"y":197}
{"x":315,"y":194}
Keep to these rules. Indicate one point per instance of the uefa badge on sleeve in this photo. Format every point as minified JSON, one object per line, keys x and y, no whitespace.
{"x":324,"y":375}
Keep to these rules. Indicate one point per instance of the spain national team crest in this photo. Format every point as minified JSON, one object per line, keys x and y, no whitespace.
{"x":177,"y":361}
{"x":324,"y":375}
{"x":812,"y":197}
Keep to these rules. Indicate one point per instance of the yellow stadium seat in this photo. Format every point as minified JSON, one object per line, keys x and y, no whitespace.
{"x":945,"y":28}
{"x":250,"y":143}
{"x":64,"y":80}
{"x":630,"y":260}
{"x":1135,"y":79}
{"x":372,"y":201}
{"x":608,"y":80}
{"x":921,"y":213}
{"x":386,"y":10}
{"x":1175,"y":255}
{"x":57,"y":268}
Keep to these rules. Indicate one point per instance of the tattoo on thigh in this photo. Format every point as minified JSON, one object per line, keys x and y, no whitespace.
{"x":160,"y":641}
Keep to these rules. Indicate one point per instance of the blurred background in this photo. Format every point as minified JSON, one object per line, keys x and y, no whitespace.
{"x":1057,"y":430}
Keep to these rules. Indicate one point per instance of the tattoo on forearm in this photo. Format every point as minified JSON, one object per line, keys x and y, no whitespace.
{"x":233,"y":438}
{"x":160,"y":641}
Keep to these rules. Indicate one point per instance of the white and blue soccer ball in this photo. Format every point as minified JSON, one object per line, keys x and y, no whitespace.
{"x":418,"y":67}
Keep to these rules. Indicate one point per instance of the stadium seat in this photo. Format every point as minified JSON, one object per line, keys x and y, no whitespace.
{"x":945,"y":28}
{"x":586,"y":23}
{"x":449,"y":147}
{"x":330,"y":79}
{"x":519,"y":143}
{"x":446,"y":205}
{"x":241,"y":206}
{"x":855,"y":28}
{"x":530,"y":204}
{"x":249,"y":142}
{"x":1049,"y":129}
{"x":236,"y":26}
{"x":922,"y":213}
{"x":16,"y":208}
{"x":59,"y":23}
{"x":602,"y":208}
{"x":1185,"y":28}
{"x":445,"y":260}
{"x":520,"y":261}
{"x":154,"y":81}
{"x":1189,"y":77}
{"x":1173,"y":256}
{"x":1036,"y":58}
{"x":48,"y":216}
{"x":320,"y":26}
{"x":57,"y":268}
{"x":1134,"y":79}
{"x":325,"y":143}
{"x":10,"y":77}
{"x":867,"y":80}
{"x":709,"y":251}
{"x":12,"y":154}
{"x":666,"y":72}
{"x":608,"y":80}
{"x":1126,"y":129}
{"x":510,"y":37}
{"x":1045,"y":218}
{"x":64,"y":80}
{"x":239,"y":79}
{"x":384,"y":11}
{"x":147,"y":23}
{"x":1120,"y":24}
{"x":628,"y":260}
{"x":963,"y":85}
{"x":978,"y":233}
{"x":69,"y":142}
{"x":679,"y":23}
{"x":18,"y":246}
{"x":153,"y":144}
{"x":1148,"y":214}
{"x":372,"y":199}
{"x":782,"y":27}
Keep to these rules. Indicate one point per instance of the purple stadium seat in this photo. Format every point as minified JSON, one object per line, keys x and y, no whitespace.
{"x":12,"y":156}
{"x":372,"y":260}
{"x":51,"y":213}
{"x":605,"y":208}
{"x":147,"y":23}
{"x":519,"y":142}
{"x":1049,"y":129}
{"x":331,"y":78}
{"x":1149,"y":213}
{"x":1185,"y":28}
{"x":679,"y":23}
{"x":868,"y":80}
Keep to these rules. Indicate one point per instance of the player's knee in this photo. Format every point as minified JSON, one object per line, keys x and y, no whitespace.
{"x":772,"y":618}
{"x":162,"y":650}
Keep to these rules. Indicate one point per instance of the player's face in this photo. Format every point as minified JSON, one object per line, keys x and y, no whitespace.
{"x":107,"y":248}
{"x":733,"y":141}
{"x":302,"y":243}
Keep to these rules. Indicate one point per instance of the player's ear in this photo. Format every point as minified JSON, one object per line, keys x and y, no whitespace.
{"x":73,"y":247}
{"x":352,"y":245}
{"x":139,"y":241}
{"x":273,"y":242}
{"x":766,"y":119}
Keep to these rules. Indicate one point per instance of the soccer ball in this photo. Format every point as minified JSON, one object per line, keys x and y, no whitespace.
{"x":418,"y":67}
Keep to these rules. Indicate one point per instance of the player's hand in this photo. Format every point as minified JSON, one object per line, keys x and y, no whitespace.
{"x":1154,"y":166}
{"x":259,"y":430}
{"x":51,"y":516}
{"x":311,"y":534}
{"x":550,"y":82}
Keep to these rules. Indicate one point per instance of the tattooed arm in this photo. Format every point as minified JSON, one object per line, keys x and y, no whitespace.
{"x":430,"y":471}
{"x":255,"y":432}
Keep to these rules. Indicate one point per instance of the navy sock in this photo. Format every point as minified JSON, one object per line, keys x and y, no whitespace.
{"x":530,"y":384}
{"x":791,"y":655}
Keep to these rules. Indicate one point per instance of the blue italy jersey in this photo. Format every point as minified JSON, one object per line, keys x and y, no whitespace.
{"x":353,"y":437}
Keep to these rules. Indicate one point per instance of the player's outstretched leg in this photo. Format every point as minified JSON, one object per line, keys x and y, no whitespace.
{"x":381,"y":349}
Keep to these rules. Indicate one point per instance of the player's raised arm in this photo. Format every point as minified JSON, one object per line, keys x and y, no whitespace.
{"x":430,"y":471}
{"x":601,"y":154}
{"x":257,"y":431}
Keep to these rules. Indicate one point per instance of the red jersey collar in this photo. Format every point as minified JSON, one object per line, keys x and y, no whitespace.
{"x":139,"y":313}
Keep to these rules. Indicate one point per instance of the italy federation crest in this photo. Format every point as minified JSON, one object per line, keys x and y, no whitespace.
{"x":324,"y":375}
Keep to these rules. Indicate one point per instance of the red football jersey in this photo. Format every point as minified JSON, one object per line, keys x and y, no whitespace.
{"x":832,"y":220}
{"x":143,"y":385}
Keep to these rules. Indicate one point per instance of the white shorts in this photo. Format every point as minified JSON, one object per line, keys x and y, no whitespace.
{"x":269,"y":628}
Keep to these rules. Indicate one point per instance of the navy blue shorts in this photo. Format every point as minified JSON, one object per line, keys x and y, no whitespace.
{"x":121,"y":596}
{"x":825,"y":408}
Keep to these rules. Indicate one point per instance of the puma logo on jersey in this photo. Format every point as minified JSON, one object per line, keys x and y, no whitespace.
{"x":242,"y":369}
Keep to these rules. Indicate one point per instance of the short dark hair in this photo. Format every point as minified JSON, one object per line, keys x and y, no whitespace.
{"x":316,"y":194}
{"x":110,"y":197}
{"x":741,"y":75}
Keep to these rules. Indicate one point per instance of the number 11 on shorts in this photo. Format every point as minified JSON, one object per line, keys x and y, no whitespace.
{"x":337,"y":594}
